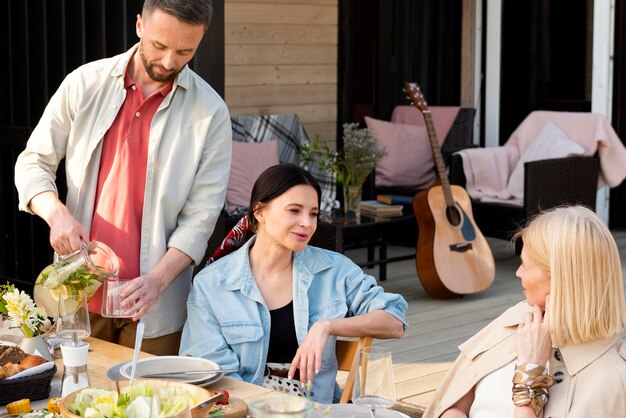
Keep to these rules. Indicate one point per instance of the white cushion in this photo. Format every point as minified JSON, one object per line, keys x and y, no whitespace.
{"x":550,"y":142}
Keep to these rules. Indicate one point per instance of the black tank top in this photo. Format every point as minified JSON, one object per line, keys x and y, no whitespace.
{"x":283,"y":342}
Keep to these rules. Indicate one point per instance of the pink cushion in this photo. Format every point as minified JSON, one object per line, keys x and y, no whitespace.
{"x":249,"y":160}
{"x":443,"y":117}
{"x":409,"y":161}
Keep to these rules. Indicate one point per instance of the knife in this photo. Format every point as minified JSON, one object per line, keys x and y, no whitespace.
{"x":187,"y":373}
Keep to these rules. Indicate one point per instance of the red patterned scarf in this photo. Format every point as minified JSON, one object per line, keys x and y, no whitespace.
{"x":235,"y":239}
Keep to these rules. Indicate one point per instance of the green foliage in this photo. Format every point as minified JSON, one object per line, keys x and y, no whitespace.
{"x":5,"y":288}
{"x":351,"y":165}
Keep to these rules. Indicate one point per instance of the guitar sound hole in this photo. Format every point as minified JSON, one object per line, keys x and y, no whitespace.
{"x":454,"y":216}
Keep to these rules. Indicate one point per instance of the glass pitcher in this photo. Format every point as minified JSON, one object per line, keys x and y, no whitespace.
{"x":79,"y":273}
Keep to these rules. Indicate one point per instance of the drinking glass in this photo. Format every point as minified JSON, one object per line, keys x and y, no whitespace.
{"x":373,"y":383}
{"x":111,"y":299}
{"x":281,"y":406}
{"x":72,"y":323}
{"x":170,"y":401}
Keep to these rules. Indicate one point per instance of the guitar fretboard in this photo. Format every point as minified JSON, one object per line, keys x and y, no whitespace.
{"x":439,"y":163}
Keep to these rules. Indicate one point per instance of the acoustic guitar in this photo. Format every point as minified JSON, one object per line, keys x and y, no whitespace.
{"x":453,"y":257}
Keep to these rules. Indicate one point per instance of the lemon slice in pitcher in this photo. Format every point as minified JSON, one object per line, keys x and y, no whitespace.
{"x":49,"y":298}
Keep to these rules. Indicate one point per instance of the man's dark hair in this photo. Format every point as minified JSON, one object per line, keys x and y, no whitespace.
{"x":194,"y":12}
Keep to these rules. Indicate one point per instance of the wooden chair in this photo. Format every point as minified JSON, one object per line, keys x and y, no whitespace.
{"x":346,"y":358}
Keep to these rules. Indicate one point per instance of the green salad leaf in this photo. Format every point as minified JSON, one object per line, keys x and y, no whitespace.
{"x":135,"y":401}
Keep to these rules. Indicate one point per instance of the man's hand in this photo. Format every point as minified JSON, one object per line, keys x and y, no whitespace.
{"x":140,"y":294}
{"x":66,"y":233}
{"x":309,"y":355}
{"x":143,"y":291}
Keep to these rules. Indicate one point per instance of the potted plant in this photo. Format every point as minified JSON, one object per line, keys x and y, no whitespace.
{"x":351,"y":165}
{"x":28,"y":318}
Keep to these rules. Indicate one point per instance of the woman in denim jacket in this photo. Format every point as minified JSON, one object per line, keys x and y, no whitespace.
{"x":277,"y":300}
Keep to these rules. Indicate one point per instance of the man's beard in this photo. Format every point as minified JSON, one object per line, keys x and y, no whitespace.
{"x":150,"y":69}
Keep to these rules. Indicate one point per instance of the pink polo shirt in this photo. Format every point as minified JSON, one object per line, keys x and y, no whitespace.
{"x":122,"y":180}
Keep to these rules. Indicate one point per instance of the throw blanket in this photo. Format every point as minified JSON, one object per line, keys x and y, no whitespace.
{"x":287,"y":129}
{"x":443,"y":117}
{"x":487,"y":170}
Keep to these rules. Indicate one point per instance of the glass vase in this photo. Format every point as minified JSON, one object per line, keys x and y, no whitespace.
{"x":352,"y":200}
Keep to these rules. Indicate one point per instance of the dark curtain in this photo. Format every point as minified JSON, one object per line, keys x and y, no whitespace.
{"x":384,"y":43}
{"x":544,"y":53}
{"x":418,"y":41}
{"x":617,"y":215}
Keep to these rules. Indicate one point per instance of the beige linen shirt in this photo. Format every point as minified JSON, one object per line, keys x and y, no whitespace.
{"x":187,"y":169}
{"x":591,"y":376}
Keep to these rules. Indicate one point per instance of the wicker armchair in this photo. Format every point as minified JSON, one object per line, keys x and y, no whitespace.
{"x":547,"y":183}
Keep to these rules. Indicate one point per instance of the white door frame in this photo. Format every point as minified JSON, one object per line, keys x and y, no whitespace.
{"x":602,"y":77}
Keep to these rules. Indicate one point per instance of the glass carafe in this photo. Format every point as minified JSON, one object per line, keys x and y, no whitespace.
{"x":81,"y":271}
{"x":72,"y":322}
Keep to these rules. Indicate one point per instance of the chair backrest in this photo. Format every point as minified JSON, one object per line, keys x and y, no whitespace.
{"x":287,"y":129}
{"x":346,"y":357}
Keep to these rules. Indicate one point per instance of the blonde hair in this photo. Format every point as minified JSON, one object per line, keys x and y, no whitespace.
{"x":576,"y":249}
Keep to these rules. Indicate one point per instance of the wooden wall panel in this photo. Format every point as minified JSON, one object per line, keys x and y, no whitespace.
{"x":281,"y":57}
{"x":277,"y":95}
{"x":306,"y":112}
{"x":239,"y":75}
{"x":330,"y":2}
{"x":271,"y":33}
{"x":296,"y":12}
{"x":280,"y":54}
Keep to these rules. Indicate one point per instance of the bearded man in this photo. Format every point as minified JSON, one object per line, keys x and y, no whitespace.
{"x":147,"y":148}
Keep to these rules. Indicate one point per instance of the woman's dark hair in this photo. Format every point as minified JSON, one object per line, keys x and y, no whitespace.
{"x":275,"y":181}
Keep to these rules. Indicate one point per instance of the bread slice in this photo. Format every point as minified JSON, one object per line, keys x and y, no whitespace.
{"x":10,"y":369}
{"x":11,"y":354}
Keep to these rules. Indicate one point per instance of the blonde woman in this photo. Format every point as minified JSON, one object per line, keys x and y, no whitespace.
{"x":558,"y":353}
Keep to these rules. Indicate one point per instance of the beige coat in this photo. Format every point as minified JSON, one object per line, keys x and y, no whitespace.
{"x":592,"y":376}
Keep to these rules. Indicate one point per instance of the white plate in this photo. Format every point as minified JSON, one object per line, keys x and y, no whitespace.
{"x":355,"y":411}
{"x":168,"y":364}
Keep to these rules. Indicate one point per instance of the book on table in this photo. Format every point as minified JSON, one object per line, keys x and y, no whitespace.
{"x":376,"y":208}
{"x":395,"y":199}
{"x":381,"y":217}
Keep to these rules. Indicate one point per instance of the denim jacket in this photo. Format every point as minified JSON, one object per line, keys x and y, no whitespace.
{"x":229,"y":323}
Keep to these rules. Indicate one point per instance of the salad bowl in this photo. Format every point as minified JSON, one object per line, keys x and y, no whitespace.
{"x":197,"y":394}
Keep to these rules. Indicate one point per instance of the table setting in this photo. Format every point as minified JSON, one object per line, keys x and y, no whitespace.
{"x":102,"y":379}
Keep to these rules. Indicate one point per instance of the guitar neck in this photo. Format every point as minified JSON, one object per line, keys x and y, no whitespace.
{"x":439,"y":163}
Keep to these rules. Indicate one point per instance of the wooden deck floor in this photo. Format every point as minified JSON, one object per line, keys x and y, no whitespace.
{"x":437,"y":327}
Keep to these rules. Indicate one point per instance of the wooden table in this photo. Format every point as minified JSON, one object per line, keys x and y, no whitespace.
{"x":103,"y":355}
{"x":367,"y":232}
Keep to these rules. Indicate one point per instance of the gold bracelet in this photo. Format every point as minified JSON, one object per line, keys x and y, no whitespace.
{"x":530,"y":386}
